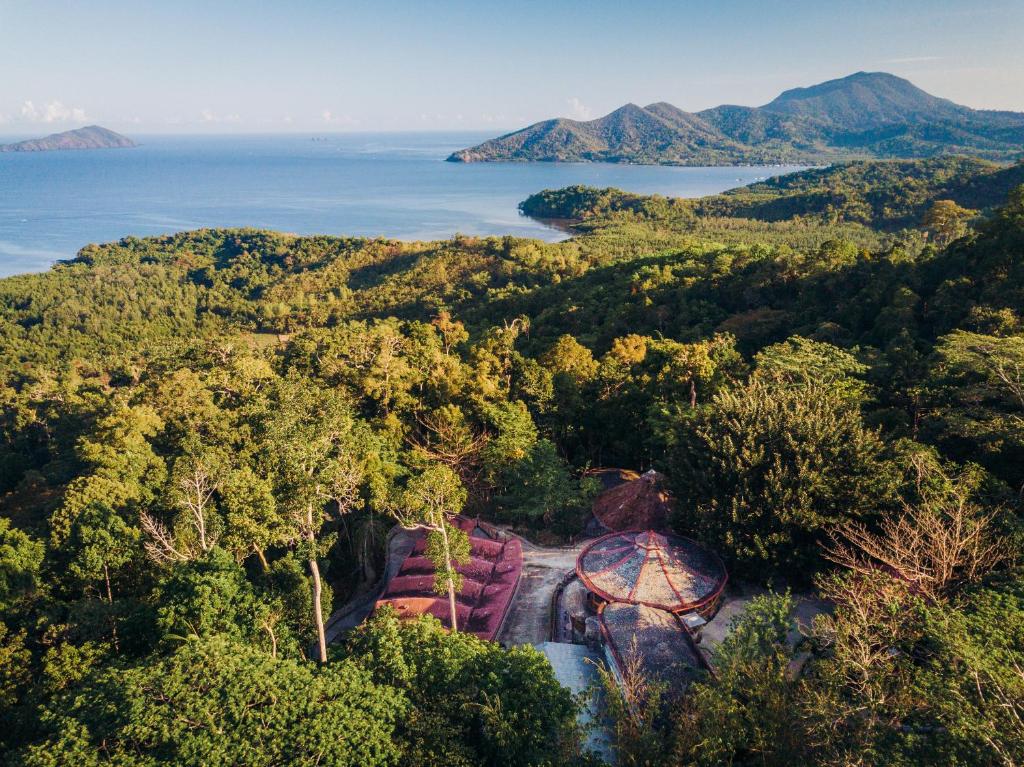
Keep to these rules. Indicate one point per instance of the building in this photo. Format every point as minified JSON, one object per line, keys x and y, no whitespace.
{"x":489,"y":581}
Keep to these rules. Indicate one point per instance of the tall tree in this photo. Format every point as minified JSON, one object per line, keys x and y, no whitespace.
{"x":311,"y":451}
{"x":431,"y":500}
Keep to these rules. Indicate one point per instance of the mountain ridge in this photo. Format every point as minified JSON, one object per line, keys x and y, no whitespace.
{"x":866,"y":115}
{"x":89,"y":137}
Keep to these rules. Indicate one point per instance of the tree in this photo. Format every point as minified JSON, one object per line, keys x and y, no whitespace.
{"x":635,"y":706}
{"x":218,"y":702}
{"x":452,"y":331}
{"x":471,"y":702}
{"x":124,"y":472}
{"x":251,"y":519}
{"x":101,"y":543}
{"x":974,"y":677}
{"x":212,"y":596}
{"x":571,"y":360}
{"x":798,"y":361}
{"x":946,"y":221}
{"x":763,"y":473}
{"x":21,"y":558}
{"x":311,"y":449}
{"x":447,"y":436}
{"x":745,"y":712}
{"x":861,"y":705}
{"x":978,"y":400}
{"x":540,"y":488}
{"x":431,"y":499}
{"x":937,"y":545}
{"x":15,"y":668}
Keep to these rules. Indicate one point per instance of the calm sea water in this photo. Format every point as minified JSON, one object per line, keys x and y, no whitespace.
{"x":394,"y":185}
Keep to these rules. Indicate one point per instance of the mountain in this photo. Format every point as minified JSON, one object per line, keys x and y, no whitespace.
{"x":863,"y":116}
{"x":90,"y":137}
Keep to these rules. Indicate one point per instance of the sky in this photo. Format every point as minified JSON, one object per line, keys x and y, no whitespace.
{"x":220,"y":66}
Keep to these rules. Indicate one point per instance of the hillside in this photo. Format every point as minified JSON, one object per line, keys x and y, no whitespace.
{"x":89,"y":137}
{"x":206,"y":438}
{"x":864,"y":115}
{"x":885,"y":195}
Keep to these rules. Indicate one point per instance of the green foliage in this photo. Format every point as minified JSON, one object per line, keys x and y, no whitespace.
{"x":765,"y":470}
{"x":447,"y":549}
{"x":471,"y":701}
{"x":542,"y":491}
{"x":744,"y":714}
{"x":978,"y":381}
{"x":264,"y":712}
{"x":211,"y":597}
{"x":101,"y":543}
{"x":20,"y":560}
{"x":800,"y":361}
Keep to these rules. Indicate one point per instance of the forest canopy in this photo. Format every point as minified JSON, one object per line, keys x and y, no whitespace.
{"x":205,"y":435}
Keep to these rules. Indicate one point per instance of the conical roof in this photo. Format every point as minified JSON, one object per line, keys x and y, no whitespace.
{"x":639,"y":503}
{"x":645,"y":567}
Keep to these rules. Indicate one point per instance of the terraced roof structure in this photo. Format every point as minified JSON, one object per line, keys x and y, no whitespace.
{"x":489,"y":581}
{"x":640,"y":502}
{"x":666,"y":648}
{"x":645,"y":567}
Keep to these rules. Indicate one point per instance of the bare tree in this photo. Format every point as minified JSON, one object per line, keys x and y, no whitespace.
{"x":193,"y":490}
{"x":634,"y":703}
{"x":935,"y":545}
{"x":446,"y":437}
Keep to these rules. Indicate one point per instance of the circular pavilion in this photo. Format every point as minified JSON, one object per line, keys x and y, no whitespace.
{"x":644,"y":567}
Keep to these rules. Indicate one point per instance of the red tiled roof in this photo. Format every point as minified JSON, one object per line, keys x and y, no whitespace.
{"x":645,"y":567}
{"x":488,"y":582}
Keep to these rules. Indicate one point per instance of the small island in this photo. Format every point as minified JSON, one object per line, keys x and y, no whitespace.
{"x":89,"y":137}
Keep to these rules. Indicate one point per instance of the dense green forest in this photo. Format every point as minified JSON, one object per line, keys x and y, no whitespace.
{"x":205,"y":438}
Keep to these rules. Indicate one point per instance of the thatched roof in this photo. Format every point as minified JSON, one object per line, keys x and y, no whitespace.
{"x":639,"y":503}
{"x":668,"y":572}
{"x":666,"y":648}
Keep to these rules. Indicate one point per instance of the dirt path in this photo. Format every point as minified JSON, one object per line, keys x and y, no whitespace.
{"x":529,"y":617}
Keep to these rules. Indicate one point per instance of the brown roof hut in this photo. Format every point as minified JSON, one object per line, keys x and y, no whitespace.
{"x":640,"y":503}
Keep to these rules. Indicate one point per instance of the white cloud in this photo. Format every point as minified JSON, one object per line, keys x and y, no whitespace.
{"x":332,"y":119}
{"x":54,"y":112}
{"x":578,"y":110}
{"x":207,"y":116}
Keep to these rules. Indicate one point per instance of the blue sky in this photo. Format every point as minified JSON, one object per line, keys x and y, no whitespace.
{"x":223,"y":66}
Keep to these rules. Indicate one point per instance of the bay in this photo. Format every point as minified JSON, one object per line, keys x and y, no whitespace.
{"x":394,"y":185}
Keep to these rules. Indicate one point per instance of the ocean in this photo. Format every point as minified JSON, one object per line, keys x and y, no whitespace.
{"x":393,"y":185}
